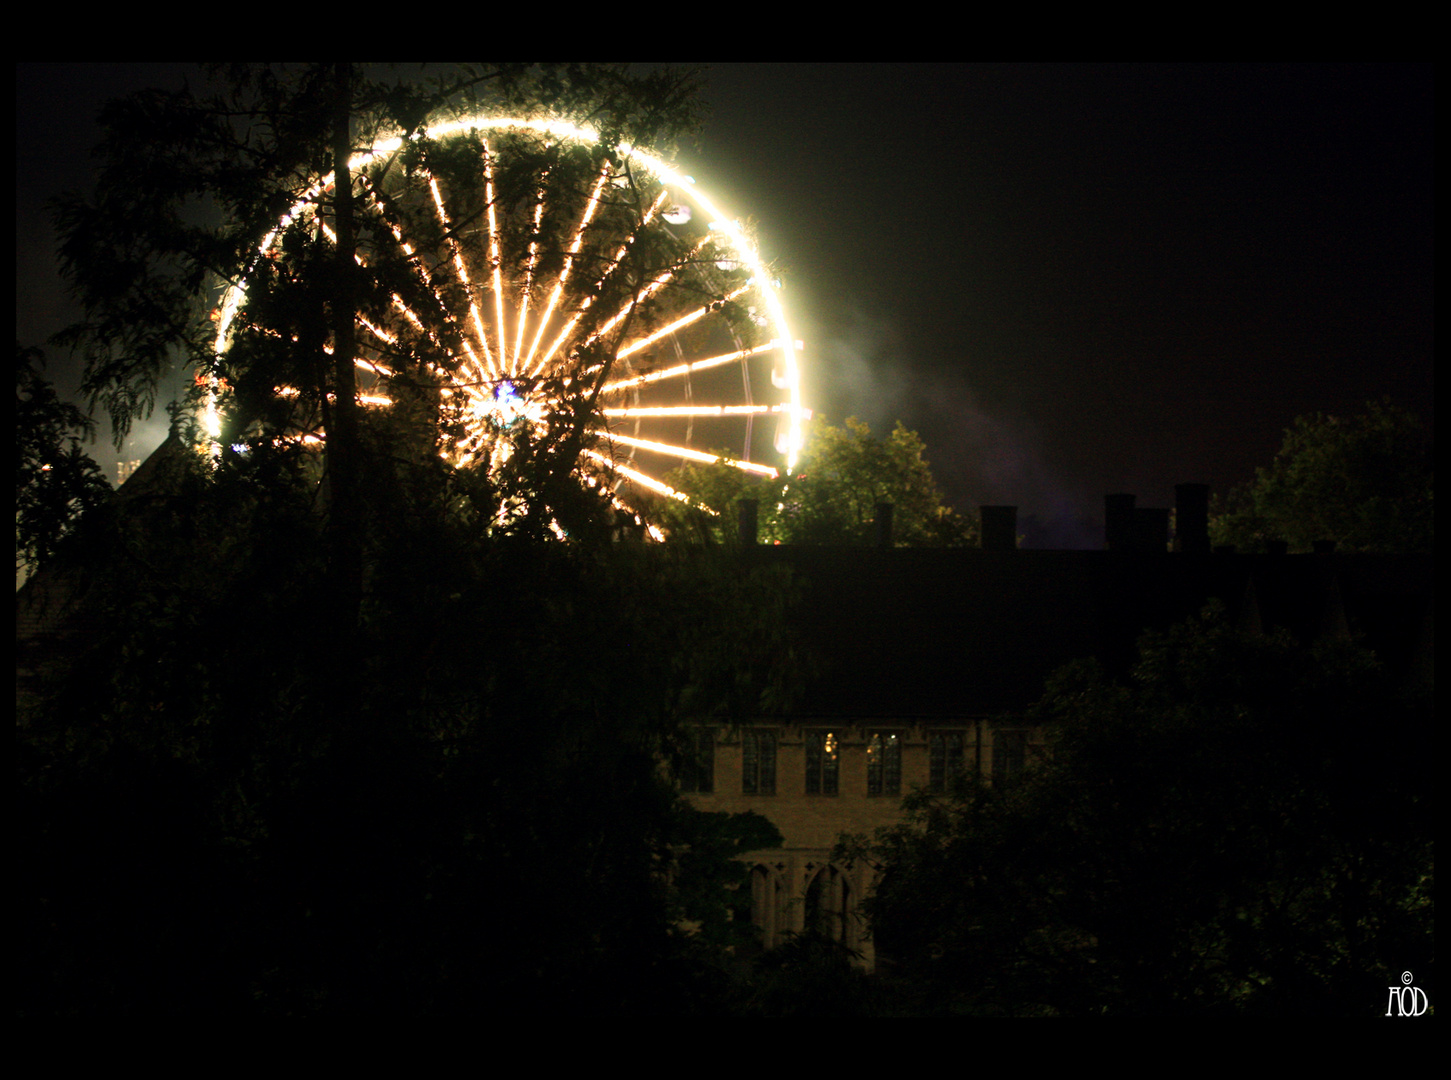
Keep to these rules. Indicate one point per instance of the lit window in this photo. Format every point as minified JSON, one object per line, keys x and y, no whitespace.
{"x":758,"y":762}
{"x":884,"y":764}
{"x":946,"y":759}
{"x":697,"y":761}
{"x":822,"y":762}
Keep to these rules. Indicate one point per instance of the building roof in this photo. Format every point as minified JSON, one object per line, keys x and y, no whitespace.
{"x":941,"y":634}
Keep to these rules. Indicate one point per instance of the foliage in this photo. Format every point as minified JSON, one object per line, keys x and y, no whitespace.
{"x":832,"y":499}
{"x":1244,"y":826}
{"x":56,"y":481}
{"x":456,"y":804}
{"x":189,"y":185}
{"x":190,"y":182}
{"x":482,"y":825}
{"x":809,"y":976}
{"x":712,"y":893}
{"x":1365,"y":482}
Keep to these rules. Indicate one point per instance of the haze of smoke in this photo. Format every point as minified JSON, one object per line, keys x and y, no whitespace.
{"x":145,"y":437}
{"x":146,"y":433}
{"x":977,"y":456}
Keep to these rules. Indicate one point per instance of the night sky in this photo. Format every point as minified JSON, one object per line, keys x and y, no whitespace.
{"x":1071,"y":280}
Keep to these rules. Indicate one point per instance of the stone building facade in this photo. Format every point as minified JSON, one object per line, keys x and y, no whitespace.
{"x":816,"y":781}
{"x":927,"y":655}
{"x":924,"y":656}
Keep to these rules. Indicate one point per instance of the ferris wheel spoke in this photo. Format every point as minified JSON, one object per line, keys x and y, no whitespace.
{"x":378,"y":333}
{"x":693,"y":410}
{"x":402,"y":307}
{"x":463,"y":272}
{"x":409,"y":253}
{"x":681,"y":370}
{"x":425,"y":277}
{"x":643,"y":479}
{"x":495,"y":260}
{"x":622,"y":507}
{"x":578,"y":269}
{"x":589,"y":211}
{"x":610,"y":267}
{"x":630,"y":305}
{"x":530,"y":262}
{"x":679,"y":324}
{"x":687,"y":454}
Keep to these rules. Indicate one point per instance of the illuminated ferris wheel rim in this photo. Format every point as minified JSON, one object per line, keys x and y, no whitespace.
{"x":720,"y":223}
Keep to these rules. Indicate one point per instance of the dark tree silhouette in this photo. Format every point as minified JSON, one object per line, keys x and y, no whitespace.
{"x":1365,"y":482}
{"x":1242,"y":826}
{"x":56,"y":481}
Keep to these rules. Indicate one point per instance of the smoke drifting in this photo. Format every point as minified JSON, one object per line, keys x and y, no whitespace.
{"x":979,"y":454}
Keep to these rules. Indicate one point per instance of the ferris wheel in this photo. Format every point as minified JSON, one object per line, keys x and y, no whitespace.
{"x":524,"y":262}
